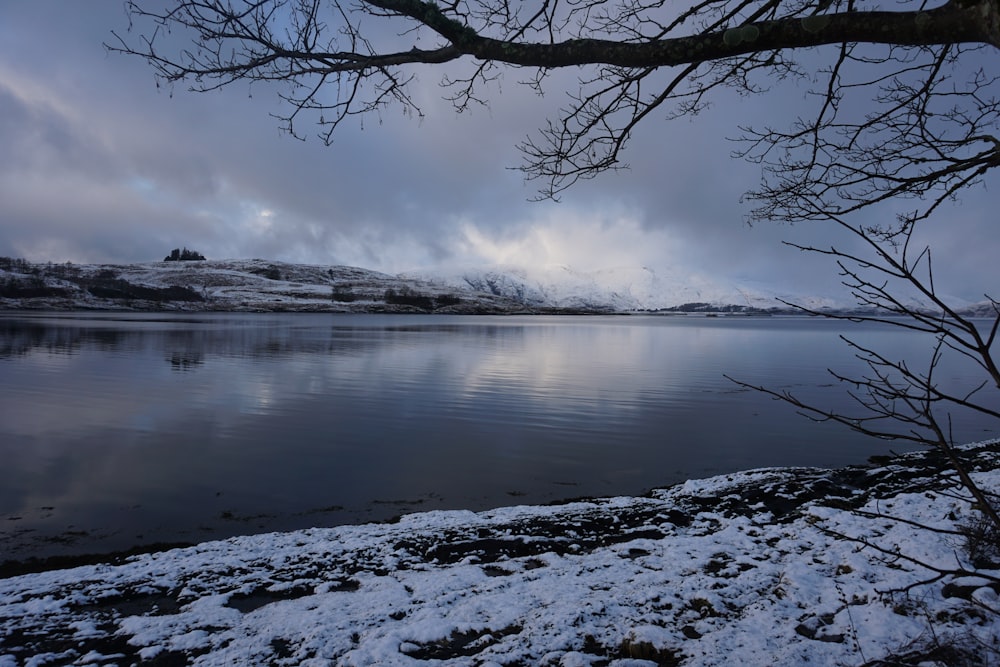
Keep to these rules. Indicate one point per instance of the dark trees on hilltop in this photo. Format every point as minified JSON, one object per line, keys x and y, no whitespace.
{"x":183,"y":255}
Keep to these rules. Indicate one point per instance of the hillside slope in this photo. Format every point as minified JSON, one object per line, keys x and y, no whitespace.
{"x":232,"y":285}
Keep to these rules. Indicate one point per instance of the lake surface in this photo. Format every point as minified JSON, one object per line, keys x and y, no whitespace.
{"x":119,"y":430}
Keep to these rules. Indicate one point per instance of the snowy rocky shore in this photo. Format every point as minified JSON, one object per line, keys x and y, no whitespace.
{"x":766,"y":567}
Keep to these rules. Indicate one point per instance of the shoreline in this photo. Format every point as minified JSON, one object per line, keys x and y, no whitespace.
{"x":766,"y":565}
{"x":853,"y":483}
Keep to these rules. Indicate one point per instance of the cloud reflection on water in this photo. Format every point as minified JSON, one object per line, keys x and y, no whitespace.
{"x":277,"y":416}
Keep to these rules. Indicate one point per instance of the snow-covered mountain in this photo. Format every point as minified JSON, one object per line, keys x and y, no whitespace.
{"x":262,"y":285}
{"x":635,"y":288}
{"x":276,"y":286}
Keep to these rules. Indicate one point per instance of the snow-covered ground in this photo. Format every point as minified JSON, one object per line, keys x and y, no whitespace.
{"x":765,"y":567}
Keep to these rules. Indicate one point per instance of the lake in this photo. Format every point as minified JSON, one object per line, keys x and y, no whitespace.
{"x":123,"y":429}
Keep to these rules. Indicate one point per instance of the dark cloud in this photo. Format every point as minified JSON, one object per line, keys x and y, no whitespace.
{"x":101,"y":165}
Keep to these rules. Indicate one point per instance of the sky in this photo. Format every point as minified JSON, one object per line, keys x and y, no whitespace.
{"x":98,"y":164}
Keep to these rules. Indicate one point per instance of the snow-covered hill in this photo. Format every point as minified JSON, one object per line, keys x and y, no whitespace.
{"x":239,"y":285}
{"x":262,"y":285}
{"x":232,"y":285}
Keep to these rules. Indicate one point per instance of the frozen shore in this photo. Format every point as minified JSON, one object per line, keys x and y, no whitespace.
{"x":764,"y":565}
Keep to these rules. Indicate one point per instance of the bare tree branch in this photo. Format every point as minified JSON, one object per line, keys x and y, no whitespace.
{"x":341,"y":60}
{"x":894,"y":285}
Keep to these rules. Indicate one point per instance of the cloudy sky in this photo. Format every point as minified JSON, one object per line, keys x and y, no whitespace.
{"x":97,"y":164}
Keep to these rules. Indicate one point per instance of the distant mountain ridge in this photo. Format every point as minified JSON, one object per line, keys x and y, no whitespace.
{"x":643,"y":289}
{"x":622,"y":289}
{"x":270,"y":286}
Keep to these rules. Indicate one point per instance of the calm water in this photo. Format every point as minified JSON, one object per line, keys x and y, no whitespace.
{"x":118,"y":430}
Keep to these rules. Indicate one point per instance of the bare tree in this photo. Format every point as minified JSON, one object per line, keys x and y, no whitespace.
{"x":905,"y":108}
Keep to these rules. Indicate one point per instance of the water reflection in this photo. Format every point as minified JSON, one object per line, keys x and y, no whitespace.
{"x":122,"y":429}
